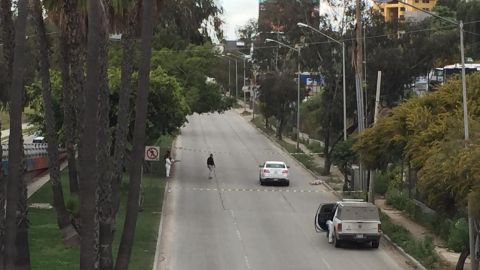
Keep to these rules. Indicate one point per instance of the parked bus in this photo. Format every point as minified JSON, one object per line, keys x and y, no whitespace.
{"x":451,"y":70}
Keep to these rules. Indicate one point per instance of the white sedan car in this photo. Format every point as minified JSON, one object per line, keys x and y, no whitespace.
{"x":274,"y":172}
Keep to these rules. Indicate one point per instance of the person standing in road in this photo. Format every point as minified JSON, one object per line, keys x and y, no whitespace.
{"x":168,"y":163}
{"x":211,"y":166}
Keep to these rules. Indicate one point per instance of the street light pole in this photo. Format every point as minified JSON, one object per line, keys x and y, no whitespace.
{"x":243,"y":88}
{"x":298,"y":85}
{"x":229,"y":81}
{"x":343,"y":72}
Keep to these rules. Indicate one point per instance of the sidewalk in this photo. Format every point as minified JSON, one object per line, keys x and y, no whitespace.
{"x":397,"y":217}
{"x":6,"y":132}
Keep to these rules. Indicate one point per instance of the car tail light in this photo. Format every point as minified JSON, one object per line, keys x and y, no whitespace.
{"x":266,"y":171}
{"x":285,"y":171}
{"x":339,"y":227}
{"x":379,"y":228}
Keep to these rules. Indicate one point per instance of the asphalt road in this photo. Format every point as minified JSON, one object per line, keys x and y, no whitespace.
{"x":231,"y":222}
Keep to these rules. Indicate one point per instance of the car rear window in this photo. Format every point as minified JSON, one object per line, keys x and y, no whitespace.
{"x":275,"y":165}
{"x":358,"y":213}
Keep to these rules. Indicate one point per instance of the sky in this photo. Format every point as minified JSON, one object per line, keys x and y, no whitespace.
{"x":236,"y":14}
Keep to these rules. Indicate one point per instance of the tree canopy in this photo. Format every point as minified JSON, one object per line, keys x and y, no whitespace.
{"x":428,"y":132}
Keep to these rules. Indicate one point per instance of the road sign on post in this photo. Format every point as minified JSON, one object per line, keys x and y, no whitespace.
{"x":152,"y":153}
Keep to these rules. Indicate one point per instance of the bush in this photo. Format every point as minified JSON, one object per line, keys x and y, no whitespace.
{"x":73,"y":206}
{"x":396,"y":199}
{"x":315,"y":147}
{"x":458,"y":238}
{"x":382,"y":180}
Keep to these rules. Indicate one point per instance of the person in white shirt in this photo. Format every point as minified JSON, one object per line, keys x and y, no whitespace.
{"x":168,"y":163}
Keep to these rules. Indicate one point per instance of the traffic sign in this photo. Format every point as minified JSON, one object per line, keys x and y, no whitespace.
{"x":152,"y":153}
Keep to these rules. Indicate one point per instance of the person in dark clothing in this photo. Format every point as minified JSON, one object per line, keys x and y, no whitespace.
{"x":211,"y":166}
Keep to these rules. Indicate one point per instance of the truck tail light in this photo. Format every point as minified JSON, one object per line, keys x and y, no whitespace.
{"x":266,"y":171}
{"x":339,"y":227}
{"x":379,"y":228}
{"x":285,"y":171}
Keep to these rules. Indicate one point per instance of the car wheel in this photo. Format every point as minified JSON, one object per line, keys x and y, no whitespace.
{"x":375,"y":244}
{"x":287,"y":183}
{"x":336,"y":242}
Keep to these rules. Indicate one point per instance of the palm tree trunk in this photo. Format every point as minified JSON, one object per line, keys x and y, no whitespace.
{"x":6,"y":22}
{"x":2,"y":210}
{"x":23,"y":252}
{"x":15,"y":153}
{"x":69,"y":117}
{"x":70,"y":120}
{"x":87,"y":153}
{"x":125,"y":249}
{"x":107,"y":230}
{"x":121,"y":130}
{"x":69,"y":233}
{"x":76,"y":51}
{"x":104,"y":165}
{"x":7,"y":30}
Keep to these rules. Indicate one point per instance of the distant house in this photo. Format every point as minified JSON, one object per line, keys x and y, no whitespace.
{"x":398,"y":11}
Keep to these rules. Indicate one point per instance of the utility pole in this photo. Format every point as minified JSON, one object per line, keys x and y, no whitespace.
{"x":359,"y":79}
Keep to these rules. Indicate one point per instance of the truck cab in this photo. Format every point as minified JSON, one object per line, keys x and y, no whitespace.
{"x":349,"y":220}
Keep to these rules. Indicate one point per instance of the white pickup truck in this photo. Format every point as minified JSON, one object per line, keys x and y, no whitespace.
{"x":349,"y":220}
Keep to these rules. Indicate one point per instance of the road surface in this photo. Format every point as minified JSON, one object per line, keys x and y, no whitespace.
{"x":231,"y":222}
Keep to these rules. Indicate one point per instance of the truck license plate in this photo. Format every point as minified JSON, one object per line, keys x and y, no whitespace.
{"x":359,"y":236}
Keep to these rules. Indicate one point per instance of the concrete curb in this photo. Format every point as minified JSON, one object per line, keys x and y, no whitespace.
{"x":418,"y":265}
{"x":162,"y":217}
{"x":160,"y":229}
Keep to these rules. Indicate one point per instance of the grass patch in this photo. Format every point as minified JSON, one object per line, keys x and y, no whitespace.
{"x":307,"y":160}
{"x":315,"y":147}
{"x":47,"y":250}
{"x":422,"y":250}
{"x":259,"y":122}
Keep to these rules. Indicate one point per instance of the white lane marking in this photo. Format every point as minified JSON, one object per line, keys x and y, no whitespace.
{"x":326,"y":263}
{"x":247,"y":262}
{"x":171,"y":189}
{"x":239,"y":236}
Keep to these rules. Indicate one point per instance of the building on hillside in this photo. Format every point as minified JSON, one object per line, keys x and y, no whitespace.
{"x":398,"y":11}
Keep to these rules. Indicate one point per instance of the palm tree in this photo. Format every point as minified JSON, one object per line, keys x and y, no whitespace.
{"x":68,"y":232}
{"x":141,"y":104}
{"x":104,"y":163}
{"x":7,"y":30}
{"x":88,"y":138}
{"x":16,"y":189}
{"x":69,"y":18}
{"x":109,"y":184}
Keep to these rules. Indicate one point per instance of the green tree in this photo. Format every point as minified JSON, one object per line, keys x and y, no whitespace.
{"x":278,"y":93}
{"x":428,"y":131}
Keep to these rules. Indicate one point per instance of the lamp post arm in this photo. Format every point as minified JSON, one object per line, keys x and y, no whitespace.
{"x":320,"y":32}
{"x":283,"y":44}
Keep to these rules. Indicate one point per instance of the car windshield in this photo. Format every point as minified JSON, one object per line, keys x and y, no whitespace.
{"x":358,"y":213}
{"x":275,"y":165}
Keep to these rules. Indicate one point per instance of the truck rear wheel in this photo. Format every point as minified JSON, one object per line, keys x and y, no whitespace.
{"x":375,"y":244}
{"x":336,"y":242}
